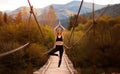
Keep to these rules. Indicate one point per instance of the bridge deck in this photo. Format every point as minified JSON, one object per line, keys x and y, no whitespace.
{"x":51,"y":67}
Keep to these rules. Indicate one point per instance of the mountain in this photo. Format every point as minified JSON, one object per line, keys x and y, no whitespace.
{"x":66,"y":10}
{"x":7,"y":11}
{"x":37,"y":11}
{"x":113,"y":10}
{"x":63,"y":11}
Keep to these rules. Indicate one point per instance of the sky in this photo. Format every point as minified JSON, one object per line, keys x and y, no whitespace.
{"x":14,"y":4}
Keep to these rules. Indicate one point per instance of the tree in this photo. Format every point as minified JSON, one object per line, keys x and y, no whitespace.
{"x":19,"y":17}
{"x":24,"y":11}
{"x":24,"y":14}
{"x":1,"y":18}
{"x":71,"y":22}
{"x":5,"y":17}
{"x":51,"y":16}
{"x":44,"y":19}
{"x":10,"y":19}
{"x":100,"y":46}
{"x":82,"y":19}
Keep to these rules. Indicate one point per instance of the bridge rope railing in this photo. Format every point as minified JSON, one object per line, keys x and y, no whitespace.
{"x":38,"y":25}
{"x":76,"y":19}
{"x":70,"y":67}
{"x":90,"y":27}
{"x":14,"y":50}
{"x":45,"y":42}
{"x":22,"y":46}
{"x":32,"y":12}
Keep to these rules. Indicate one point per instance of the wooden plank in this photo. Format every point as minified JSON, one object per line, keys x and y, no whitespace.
{"x":52,"y":66}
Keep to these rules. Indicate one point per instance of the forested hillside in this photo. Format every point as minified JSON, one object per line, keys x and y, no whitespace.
{"x":16,"y":32}
{"x":99,"y":49}
{"x":112,"y":10}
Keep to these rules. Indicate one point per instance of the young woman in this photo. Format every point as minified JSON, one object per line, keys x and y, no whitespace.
{"x":59,"y":42}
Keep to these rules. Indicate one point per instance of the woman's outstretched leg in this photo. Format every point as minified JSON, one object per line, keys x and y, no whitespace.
{"x":52,"y":52}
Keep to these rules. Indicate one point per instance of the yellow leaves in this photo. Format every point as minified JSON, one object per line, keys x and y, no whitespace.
{"x":36,"y":50}
{"x":76,"y":36}
{"x":81,"y":27}
{"x":7,"y":32}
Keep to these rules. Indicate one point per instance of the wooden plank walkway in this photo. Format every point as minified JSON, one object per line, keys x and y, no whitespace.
{"x":51,"y":67}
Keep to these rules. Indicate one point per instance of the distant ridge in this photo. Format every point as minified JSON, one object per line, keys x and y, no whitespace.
{"x":113,"y":10}
{"x":63,"y":11}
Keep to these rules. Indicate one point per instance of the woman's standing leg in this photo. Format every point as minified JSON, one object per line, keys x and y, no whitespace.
{"x":61,"y":53}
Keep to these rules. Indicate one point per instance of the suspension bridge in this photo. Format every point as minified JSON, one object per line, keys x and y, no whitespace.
{"x":51,"y":66}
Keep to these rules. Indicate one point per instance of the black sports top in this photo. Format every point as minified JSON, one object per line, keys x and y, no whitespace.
{"x":59,"y":39}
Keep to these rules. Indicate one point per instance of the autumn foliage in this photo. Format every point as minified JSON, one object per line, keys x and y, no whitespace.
{"x":100,"y":47}
{"x":17,"y":32}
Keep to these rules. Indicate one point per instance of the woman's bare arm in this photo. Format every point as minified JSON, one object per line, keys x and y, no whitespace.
{"x":55,"y":38}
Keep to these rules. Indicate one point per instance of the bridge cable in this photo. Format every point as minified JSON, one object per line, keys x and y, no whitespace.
{"x":91,"y":26}
{"x":14,"y":50}
{"x":38,"y":25}
{"x":76,"y":19}
{"x":19,"y":48}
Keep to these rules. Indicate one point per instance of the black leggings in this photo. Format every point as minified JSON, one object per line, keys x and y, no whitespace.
{"x":60,"y":49}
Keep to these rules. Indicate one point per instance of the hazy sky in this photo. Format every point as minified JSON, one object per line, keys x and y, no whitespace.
{"x":13,"y":4}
